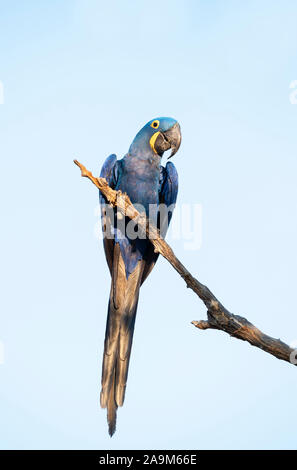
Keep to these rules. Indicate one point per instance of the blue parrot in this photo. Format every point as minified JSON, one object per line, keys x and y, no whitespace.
{"x":131,"y":258}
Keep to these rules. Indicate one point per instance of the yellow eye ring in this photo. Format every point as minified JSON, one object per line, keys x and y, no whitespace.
{"x":155,"y":124}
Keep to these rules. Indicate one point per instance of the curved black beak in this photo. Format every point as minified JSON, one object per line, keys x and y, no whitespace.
{"x":169,"y":139}
{"x":173,"y":136}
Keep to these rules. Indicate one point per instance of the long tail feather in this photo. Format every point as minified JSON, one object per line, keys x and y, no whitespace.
{"x":122,"y":310}
{"x":112,"y":409}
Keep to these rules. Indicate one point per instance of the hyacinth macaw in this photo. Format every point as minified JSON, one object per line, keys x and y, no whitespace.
{"x":139,"y":174}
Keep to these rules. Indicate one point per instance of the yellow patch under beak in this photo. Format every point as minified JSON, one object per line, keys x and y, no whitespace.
{"x":153,"y":140}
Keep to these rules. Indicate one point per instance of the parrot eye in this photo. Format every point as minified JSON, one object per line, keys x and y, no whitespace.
{"x":155,"y":124}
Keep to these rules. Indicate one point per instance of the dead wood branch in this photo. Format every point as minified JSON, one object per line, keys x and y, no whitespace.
{"x":219,"y":317}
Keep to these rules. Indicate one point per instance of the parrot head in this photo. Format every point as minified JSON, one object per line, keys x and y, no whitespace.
{"x":157,"y":136}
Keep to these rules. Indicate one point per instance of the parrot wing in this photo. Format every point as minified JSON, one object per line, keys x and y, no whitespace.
{"x":109,"y":172}
{"x":168,"y":190}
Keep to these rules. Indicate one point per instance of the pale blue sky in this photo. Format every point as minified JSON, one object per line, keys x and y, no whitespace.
{"x":80,"y":78}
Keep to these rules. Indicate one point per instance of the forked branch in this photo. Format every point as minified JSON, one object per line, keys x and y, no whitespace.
{"x":218,"y":317}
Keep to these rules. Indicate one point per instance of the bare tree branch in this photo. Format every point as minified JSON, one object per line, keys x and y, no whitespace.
{"x":218,"y":317}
